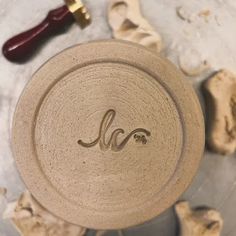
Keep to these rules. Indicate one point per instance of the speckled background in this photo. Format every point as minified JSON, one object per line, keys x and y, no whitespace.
{"x":215,"y":182}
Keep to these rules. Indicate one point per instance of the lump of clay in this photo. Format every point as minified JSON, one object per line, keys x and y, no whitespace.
{"x":31,"y":219}
{"x":3,"y":191}
{"x":3,"y":201}
{"x":192,"y":64}
{"x":189,"y":13}
{"x":221,"y":105}
{"x":127,"y":23}
{"x":184,"y":14}
{"x":198,"y":222}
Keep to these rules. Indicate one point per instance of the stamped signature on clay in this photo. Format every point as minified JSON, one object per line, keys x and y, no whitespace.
{"x":140,"y":135}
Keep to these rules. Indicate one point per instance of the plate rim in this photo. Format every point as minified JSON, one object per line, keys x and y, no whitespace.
{"x":21,"y":152}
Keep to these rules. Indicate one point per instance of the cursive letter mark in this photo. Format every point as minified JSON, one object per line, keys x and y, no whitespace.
{"x":112,"y":141}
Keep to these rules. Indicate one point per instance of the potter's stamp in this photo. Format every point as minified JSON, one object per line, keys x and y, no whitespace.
{"x":22,"y":46}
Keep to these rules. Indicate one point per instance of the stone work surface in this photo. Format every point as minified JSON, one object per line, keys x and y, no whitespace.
{"x":206,"y":28}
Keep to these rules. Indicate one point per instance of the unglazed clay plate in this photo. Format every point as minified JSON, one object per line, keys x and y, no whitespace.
{"x":107,"y":135}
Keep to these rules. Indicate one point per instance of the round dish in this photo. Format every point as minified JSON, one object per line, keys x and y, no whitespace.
{"x":107,"y":134}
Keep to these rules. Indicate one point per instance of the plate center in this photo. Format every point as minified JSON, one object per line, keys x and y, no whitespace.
{"x":108,"y":136}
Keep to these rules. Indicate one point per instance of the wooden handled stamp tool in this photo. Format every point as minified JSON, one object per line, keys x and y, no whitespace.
{"x":21,"y":47}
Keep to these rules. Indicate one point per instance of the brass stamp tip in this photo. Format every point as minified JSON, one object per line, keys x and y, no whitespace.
{"x":80,"y":12}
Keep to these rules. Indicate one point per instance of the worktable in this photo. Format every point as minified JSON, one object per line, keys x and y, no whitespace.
{"x":215,"y":182}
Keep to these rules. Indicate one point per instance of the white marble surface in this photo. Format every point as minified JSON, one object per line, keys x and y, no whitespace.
{"x":215,"y":182}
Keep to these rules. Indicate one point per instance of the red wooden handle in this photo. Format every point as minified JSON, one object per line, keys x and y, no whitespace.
{"x":22,"y":46}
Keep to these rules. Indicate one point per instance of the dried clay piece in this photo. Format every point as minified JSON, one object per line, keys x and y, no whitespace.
{"x":190,"y":15}
{"x":185,"y":15}
{"x":191,"y":63}
{"x":205,"y":14}
{"x":221,"y":98}
{"x":127,"y":23}
{"x":198,"y":222}
{"x":31,"y":219}
{"x":3,"y":191}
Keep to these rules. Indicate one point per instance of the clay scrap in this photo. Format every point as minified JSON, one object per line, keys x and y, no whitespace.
{"x":3,"y":191}
{"x":221,"y":103}
{"x":190,"y":14}
{"x":192,"y":64}
{"x":205,"y":14}
{"x":199,"y":221}
{"x":127,"y":23}
{"x":31,"y":219}
{"x":184,"y":14}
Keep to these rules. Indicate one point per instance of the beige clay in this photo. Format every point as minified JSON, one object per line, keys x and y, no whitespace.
{"x":221,"y":98}
{"x":192,"y":64}
{"x":127,"y":23}
{"x":131,"y":108}
{"x":185,"y":15}
{"x":3,"y":191}
{"x":198,"y":222}
{"x":31,"y":219}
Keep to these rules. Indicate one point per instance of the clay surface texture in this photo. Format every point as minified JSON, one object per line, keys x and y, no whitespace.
{"x":127,"y":23}
{"x":114,"y":139}
{"x":198,"y":222}
{"x":31,"y":219}
{"x":221,"y":98}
